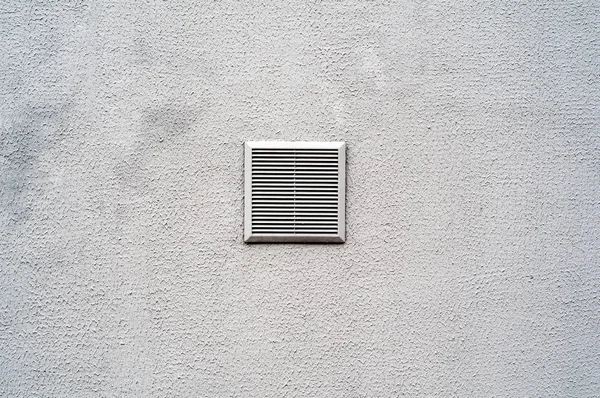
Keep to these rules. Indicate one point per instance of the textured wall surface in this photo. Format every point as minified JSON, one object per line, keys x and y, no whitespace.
{"x":472,"y":265}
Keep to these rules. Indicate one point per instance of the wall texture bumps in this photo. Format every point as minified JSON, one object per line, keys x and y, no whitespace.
{"x":472,"y":265}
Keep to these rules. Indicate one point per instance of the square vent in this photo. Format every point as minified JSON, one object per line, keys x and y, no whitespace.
{"x":295,"y":192}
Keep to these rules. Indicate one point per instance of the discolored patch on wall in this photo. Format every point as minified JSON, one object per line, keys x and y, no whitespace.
{"x":161,"y":128}
{"x":167,"y":122}
{"x":25,"y":138}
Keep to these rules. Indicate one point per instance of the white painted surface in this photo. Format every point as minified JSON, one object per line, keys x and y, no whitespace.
{"x":471,"y":266}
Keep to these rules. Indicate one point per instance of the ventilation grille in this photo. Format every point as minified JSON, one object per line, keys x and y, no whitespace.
{"x":295,"y":192}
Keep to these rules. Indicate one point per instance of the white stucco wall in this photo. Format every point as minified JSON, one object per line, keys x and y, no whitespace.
{"x":472,"y":262}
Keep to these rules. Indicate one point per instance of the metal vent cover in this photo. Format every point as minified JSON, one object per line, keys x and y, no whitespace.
{"x":295,"y":192}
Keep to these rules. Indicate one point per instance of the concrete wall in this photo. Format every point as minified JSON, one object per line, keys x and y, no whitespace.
{"x":472,"y":265}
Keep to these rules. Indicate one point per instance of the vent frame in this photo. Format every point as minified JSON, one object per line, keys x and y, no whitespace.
{"x":252,"y":236}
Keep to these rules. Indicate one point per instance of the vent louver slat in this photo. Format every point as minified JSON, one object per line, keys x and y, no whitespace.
{"x":295,"y":192}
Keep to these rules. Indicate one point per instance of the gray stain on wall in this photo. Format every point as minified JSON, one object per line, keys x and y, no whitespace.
{"x":167,"y":122}
{"x":161,"y":128}
{"x":25,"y":137}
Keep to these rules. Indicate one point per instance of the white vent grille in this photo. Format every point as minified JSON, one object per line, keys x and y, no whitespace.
{"x":295,"y":192}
